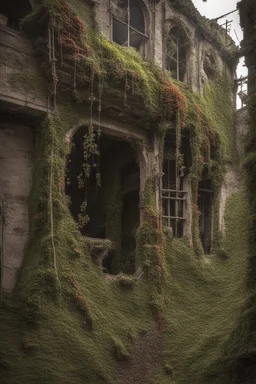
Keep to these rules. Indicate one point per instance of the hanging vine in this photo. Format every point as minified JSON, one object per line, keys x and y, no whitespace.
{"x":98,"y":175}
{"x":91,"y":154}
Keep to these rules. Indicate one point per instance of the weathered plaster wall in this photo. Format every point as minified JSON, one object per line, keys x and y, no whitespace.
{"x":232,"y":182}
{"x":16,"y":148}
{"x":22,"y":85}
{"x":241,"y":129}
{"x":230,"y":185}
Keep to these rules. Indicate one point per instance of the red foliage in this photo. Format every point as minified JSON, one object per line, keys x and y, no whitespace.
{"x":151,"y":218}
{"x":173,"y":100}
{"x":71,"y":29}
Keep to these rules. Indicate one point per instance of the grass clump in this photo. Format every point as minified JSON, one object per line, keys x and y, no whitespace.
{"x":119,"y":350}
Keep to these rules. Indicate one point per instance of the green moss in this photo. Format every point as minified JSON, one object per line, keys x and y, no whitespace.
{"x":119,"y":350}
{"x":196,"y":304}
{"x":74,"y":323}
{"x":126,"y":282}
{"x":219,"y":108}
{"x":204,"y":302}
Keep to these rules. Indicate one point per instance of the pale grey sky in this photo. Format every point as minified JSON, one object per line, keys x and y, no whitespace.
{"x":216,"y":8}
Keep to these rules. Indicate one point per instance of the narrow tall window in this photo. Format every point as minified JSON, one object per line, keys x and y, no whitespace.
{"x":176,"y":53}
{"x":129,"y":28}
{"x":173,"y":196}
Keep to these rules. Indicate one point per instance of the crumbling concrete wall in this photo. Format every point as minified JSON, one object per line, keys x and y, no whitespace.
{"x":241,"y":129}
{"x":232,"y":182}
{"x":16,"y":149}
{"x":230,"y":185}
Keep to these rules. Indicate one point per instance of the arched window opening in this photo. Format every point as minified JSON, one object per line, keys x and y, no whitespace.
{"x":176,"y":53}
{"x":13,"y":11}
{"x":205,"y":199}
{"x":175,"y":168}
{"x":129,"y":28}
{"x":209,"y":65}
{"x":112,"y":209}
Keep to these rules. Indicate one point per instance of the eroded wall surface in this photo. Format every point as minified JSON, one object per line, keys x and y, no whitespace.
{"x":16,"y":151}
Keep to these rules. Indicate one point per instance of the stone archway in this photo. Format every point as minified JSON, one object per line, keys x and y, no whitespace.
{"x":112,"y":208}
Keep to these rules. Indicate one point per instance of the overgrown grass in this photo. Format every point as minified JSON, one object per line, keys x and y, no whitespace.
{"x":204,"y":302}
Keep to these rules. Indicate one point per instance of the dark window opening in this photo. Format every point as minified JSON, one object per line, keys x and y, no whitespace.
{"x":209,"y":65}
{"x":130,"y":223}
{"x":129,"y":24}
{"x":113,"y":207}
{"x":173,"y":195}
{"x":205,"y":197}
{"x":176,"y":54}
{"x":15,"y":10}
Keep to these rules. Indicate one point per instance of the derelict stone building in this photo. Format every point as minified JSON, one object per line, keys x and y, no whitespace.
{"x":39,"y":72}
{"x":119,"y":164}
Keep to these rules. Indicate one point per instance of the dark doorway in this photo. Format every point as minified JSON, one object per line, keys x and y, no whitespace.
{"x":130,"y":179}
{"x":15,"y":10}
{"x":112,"y":208}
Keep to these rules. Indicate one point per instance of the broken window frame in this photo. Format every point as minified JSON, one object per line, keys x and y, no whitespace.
{"x":178,"y":195}
{"x":130,"y":29}
{"x":175,"y":56}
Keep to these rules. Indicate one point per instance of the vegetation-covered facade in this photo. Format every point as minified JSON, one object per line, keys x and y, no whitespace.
{"x":136,"y":260}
